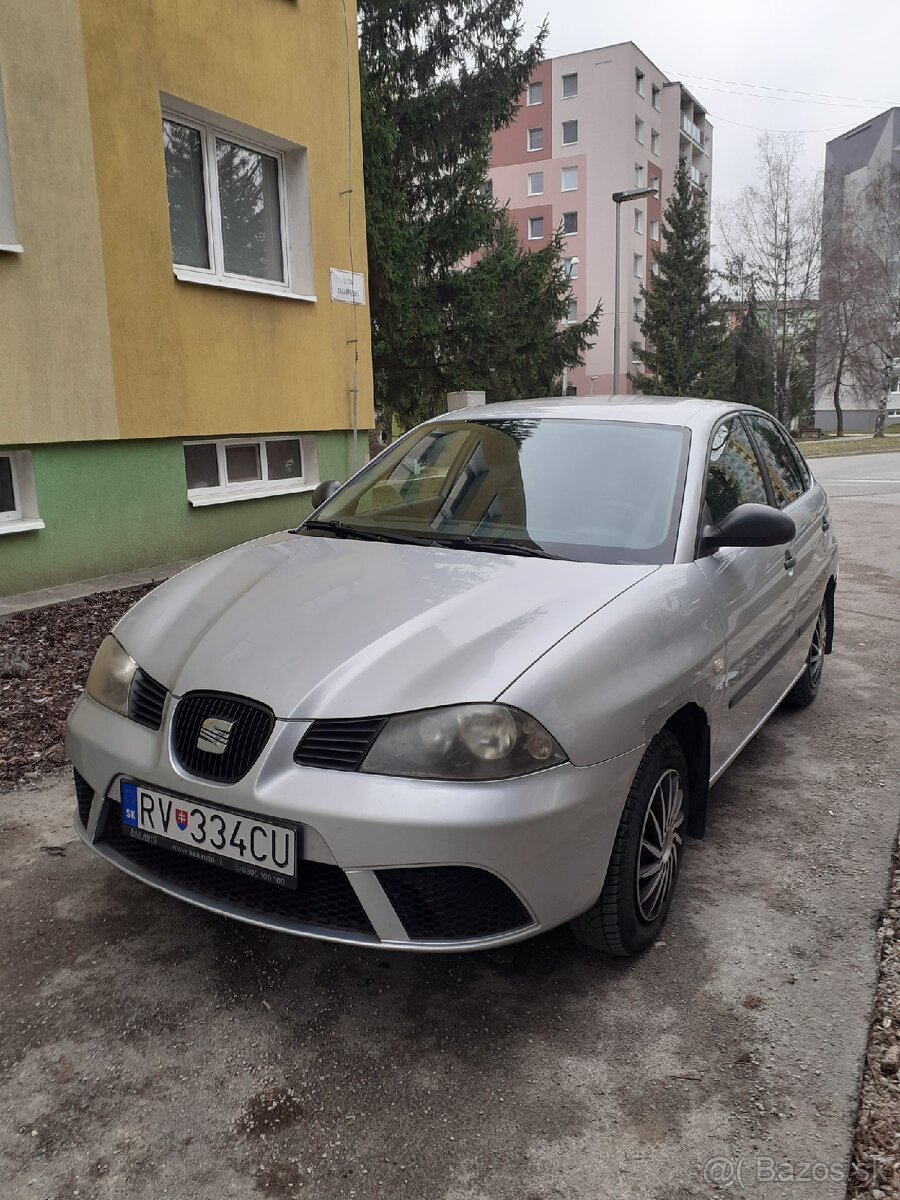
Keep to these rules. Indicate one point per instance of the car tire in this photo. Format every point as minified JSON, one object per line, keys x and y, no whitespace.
{"x":624,"y":921}
{"x":806,"y":688}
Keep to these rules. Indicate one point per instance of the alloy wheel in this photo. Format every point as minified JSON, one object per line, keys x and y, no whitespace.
{"x":660,"y":846}
{"x":817,"y":649}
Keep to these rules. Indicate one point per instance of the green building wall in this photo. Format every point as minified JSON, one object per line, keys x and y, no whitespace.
{"x":116,"y":506}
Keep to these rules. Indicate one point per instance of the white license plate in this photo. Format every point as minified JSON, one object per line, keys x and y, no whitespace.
{"x":234,"y":840}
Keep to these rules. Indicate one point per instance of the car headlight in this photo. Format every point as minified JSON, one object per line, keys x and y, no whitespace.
{"x":468,"y":741}
{"x":110,"y":676}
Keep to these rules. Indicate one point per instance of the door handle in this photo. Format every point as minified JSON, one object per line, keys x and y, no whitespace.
{"x":790,"y":560}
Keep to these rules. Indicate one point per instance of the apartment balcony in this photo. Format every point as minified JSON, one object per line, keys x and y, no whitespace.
{"x":694,"y":132}
{"x":697,"y":177}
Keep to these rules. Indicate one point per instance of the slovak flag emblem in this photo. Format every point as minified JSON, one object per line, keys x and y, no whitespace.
{"x":181,"y":818}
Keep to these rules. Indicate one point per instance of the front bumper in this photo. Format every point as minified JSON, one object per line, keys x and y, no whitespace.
{"x":404,"y":863}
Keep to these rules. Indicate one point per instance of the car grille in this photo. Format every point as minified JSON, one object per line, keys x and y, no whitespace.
{"x":146,"y":700}
{"x":323,"y":897}
{"x":84,"y":794}
{"x":338,"y":745}
{"x":251,"y":729}
{"x":439,"y":904}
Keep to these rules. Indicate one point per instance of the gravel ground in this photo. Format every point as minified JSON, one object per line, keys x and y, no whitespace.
{"x":45,"y":655}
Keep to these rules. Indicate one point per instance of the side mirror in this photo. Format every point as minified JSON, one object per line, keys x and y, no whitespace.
{"x":324,"y":492}
{"x":748,"y":525}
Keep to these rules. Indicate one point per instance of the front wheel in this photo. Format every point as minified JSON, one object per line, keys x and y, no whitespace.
{"x":646,"y":857}
{"x":806,"y":688}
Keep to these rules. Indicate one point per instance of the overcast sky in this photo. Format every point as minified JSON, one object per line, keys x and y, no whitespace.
{"x":849,"y":49}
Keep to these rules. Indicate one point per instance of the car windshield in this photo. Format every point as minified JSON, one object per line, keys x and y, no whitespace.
{"x":593,"y":491}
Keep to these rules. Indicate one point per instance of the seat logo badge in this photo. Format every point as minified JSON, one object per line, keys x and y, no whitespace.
{"x":214,"y":735}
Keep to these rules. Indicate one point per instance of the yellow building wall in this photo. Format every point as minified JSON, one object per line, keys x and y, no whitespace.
{"x":56,"y":378}
{"x":190,"y":359}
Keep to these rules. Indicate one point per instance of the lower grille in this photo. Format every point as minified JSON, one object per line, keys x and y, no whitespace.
{"x":85,"y":795}
{"x":247,"y":724}
{"x":323,"y":895}
{"x":439,"y":904}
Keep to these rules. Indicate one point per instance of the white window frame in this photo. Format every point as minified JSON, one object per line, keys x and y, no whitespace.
{"x":638,"y":220}
{"x":654,"y":268}
{"x":227,"y":493}
{"x":564,"y":95}
{"x":638,"y":266}
{"x":562,"y":221}
{"x":210,"y":127}
{"x":571,"y":267}
{"x":23,"y":516}
{"x":655,"y":92}
{"x":639,"y":131}
{"x":562,"y":179}
{"x":654,"y":230}
{"x":529,"y":101}
{"x":530,"y":190}
{"x":570,"y":318}
{"x":562,"y":132}
{"x":654,"y":142}
{"x":637,"y":308}
{"x":638,"y":175}
{"x":535,"y":237}
{"x":535,"y":149}
{"x":9,"y":240}
{"x":639,"y":78}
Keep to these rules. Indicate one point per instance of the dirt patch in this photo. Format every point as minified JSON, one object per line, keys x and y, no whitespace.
{"x":45,"y":655}
{"x":875,"y":1170}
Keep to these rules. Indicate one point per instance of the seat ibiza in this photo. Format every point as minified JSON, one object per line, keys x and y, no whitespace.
{"x":482,"y":691}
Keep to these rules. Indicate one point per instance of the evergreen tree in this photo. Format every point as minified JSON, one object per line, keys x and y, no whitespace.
{"x":685,"y":338}
{"x":437,"y":80}
{"x":752,"y":382}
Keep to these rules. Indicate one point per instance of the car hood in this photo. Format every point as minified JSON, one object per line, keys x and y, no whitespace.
{"x":317,"y":626}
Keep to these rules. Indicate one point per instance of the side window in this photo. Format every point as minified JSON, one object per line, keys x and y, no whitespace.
{"x":733,"y":477}
{"x":787,"y":482}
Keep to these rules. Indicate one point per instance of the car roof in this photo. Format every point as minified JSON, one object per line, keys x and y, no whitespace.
{"x":690,"y":412}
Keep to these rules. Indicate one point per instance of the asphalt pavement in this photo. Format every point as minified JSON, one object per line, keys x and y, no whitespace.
{"x":149,"y":1049}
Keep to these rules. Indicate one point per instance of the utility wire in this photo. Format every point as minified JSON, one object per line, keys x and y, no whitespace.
{"x":763,"y":87}
{"x":764,"y":129}
{"x":867,"y":106}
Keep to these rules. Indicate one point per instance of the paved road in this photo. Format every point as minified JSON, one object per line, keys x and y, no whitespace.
{"x":148,"y":1049}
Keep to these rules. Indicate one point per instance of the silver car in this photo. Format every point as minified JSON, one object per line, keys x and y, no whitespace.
{"x":482,"y":691}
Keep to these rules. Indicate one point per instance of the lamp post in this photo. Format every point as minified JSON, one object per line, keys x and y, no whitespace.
{"x":619,"y":198}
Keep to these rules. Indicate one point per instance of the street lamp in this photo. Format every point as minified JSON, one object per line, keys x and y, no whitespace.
{"x":619,"y":198}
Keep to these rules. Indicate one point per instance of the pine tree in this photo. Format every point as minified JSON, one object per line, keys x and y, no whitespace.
{"x":752,"y":383}
{"x":437,"y":80}
{"x":685,"y":338}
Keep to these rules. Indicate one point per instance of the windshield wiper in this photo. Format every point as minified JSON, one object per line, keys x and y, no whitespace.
{"x":365,"y":535}
{"x":465,"y":541}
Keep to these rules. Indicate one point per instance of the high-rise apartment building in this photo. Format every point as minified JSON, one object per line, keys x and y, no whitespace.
{"x":591,"y":124}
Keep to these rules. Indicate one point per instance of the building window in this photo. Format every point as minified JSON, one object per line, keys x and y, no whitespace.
{"x":535,"y":228}
{"x":639,"y":130}
{"x":654,"y":96}
{"x":9,"y":242}
{"x":243,"y":467}
{"x":639,"y":266}
{"x":638,"y":220}
{"x":654,"y":231}
{"x":637,"y":308}
{"x":569,"y":133}
{"x":486,"y":189}
{"x":654,"y":183}
{"x":535,"y":183}
{"x":654,"y":267}
{"x":572,"y":310}
{"x":638,"y":175}
{"x":536,"y":93}
{"x":570,"y":86}
{"x":229,"y":197}
{"x":569,"y":179}
{"x":570,"y":265}
{"x":639,"y":81}
{"x":535,"y":139}
{"x":18,"y":501}
{"x":569,"y":223}
{"x":654,"y":142}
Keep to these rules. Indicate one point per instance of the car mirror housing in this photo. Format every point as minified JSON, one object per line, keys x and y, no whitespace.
{"x":748,"y":525}
{"x":323,"y":492}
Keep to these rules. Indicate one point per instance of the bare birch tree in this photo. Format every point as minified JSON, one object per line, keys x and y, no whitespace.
{"x":880,"y":208}
{"x":774,"y":229}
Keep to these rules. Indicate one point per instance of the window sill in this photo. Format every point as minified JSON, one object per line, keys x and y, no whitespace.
{"x":260,"y":287}
{"x":204,"y":497}
{"x":12,"y":248}
{"x":23,"y":525}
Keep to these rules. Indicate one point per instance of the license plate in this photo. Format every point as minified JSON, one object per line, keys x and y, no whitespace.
{"x":213,"y":835}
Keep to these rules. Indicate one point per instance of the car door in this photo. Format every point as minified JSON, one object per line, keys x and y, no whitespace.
{"x":755,"y":590}
{"x":806,"y":503}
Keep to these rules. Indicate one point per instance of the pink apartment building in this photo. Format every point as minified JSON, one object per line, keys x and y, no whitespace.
{"x":591,"y":124}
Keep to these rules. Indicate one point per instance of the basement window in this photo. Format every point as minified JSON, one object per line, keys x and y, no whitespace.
{"x":243,"y":468}
{"x":238,"y":204}
{"x":18,"y":500}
